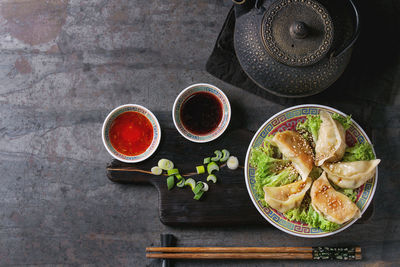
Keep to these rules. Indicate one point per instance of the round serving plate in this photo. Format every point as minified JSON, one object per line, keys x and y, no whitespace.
{"x":287,"y":120}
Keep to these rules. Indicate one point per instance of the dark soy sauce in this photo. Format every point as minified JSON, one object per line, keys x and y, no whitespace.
{"x":201,"y":113}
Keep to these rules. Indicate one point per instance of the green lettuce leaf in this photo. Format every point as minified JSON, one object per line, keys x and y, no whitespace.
{"x":310,"y":126}
{"x":350,"y":193}
{"x":345,"y":121}
{"x":270,"y":171}
{"x":312,"y":218}
{"x":359,"y":152}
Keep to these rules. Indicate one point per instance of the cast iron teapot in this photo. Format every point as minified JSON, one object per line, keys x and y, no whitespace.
{"x":295,"y":48}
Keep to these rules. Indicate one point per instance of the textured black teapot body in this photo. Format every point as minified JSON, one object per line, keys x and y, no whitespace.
{"x":295,"y":48}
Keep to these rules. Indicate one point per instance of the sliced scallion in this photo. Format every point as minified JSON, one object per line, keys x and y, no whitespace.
{"x":170,"y":182}
{"x":218,"y":155}
{"x":233,"y":163}
{"x":181,"y":183}
{"x":212,"y":166}
{"x":156,"y":170}
{"x":225,"y":155}
{"x":190,"y":182}
{"x":205,"y":187}
{"x":198,"y":187}
{"x":165,"y":164}
{"x":212,"y":178}
{"x":179,"y":177}
{"x":200,"y":169}
{"x":173,"y":172}
{"x":198,"y":195}
{"x":206,"y":160}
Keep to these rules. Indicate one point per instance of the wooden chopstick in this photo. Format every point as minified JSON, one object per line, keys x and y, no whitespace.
{"x":353,"y":253}
{"x":231,"y":249}
{"x":282,"y":256}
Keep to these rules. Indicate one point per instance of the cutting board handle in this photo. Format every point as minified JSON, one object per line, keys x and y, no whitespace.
{"x":129,"y":173}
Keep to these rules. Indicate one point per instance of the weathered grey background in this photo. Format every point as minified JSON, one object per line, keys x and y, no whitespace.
{"x":65,"y":64}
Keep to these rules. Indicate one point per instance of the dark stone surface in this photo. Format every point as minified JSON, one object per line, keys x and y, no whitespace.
{"x":65,"y":64}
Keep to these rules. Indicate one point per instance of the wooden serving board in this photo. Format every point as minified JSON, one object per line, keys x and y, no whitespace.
{"x":227,"y":202}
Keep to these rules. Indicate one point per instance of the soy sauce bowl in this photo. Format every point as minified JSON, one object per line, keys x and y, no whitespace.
{"x":181,"y":100}
{"x":113,"y":115}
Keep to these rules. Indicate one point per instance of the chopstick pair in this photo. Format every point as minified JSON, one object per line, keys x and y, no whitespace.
{"x":282,"y":253}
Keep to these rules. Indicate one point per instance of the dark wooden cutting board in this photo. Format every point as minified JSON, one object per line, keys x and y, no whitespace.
{"x":227,"y":202}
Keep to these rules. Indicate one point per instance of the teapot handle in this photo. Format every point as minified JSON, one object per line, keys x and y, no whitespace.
{"x":355,"y":35}
{"x":244,"y":6}
{"x":238,"y":2}
{"x":241,"y":2}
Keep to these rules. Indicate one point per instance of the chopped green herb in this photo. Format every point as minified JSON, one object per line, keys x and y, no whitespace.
{"x":200,"y":169}
{"x":198,"y":195}
{"x":212,"y":178}
{"x":233,"y":163}
{"x":190,"y":182}
{"x":206,"y":160}
{"x":212,"y":166}
{"x":205,"y":187}
{"x":165,"y":164}
{"x":181,"y":183}
{"x":225,"y":155}
{"x":156,"y":170}
{"x":170,"y":182}
{"x":198,"y":187}
{"x":218,"y":155}
{"x":173,"y":171}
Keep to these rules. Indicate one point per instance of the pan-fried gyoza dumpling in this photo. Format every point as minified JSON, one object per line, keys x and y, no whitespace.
{"x":294,"y":147}
{"x":351,"y":174}
{"x":286,"y":197}
{"x":331,"y":143}
{"x":334,"y":206}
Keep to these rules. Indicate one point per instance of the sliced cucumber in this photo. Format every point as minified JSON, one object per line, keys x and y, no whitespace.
{"x":225,"y":155}
{"x":233,"y":163}
{"x":170,"y":182}
{"x":190,"y":182}
{"x":212,"y":178}
{"x":173,"y":172}
{"x":200,"y":169}
{"x":212,"y":166}
{"x":218,"y":155}
{"x":165,"y":164}
{"x":156,"y":170}
{"x":181,"y":183}
{"x":206,"y":160}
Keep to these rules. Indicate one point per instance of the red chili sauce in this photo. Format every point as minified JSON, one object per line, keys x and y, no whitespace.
{"x":131,"y":133}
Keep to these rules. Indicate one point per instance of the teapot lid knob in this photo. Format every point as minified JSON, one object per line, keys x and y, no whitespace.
{"x":298,"y":30}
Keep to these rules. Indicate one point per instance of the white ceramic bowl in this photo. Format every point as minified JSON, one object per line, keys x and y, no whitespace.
{"x":226,"y":112}
{"x":156,"y":133}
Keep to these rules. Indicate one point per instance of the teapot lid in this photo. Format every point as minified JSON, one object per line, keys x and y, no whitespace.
{"x":297,"y":32}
